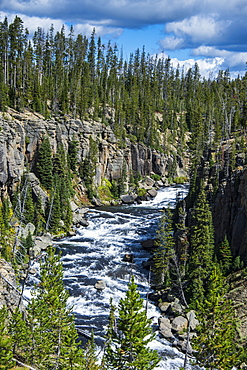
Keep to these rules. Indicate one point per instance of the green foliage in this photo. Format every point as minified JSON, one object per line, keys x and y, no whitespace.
{"x":201,"y":251}
{"x":155,"y":177}
{"x":6,"y":353}
{"x":180,"y":180}
{"x":49,"y":337}
{"x":73,"y":154}
{"x":215,"y":344}
{"x":44,"y":164}
{"x":225,"y":256}
{"x":104,"y":191}
{"x":165,"y":251}
{"x":127,"y":344}
{"x":6,"y":231}
{"x":91,"y":360}
{"x":88,"y":168}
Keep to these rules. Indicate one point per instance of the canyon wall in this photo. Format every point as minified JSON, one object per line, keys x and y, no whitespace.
{"x":21,"y":135}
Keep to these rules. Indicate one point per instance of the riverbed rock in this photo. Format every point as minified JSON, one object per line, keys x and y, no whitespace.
{"x":128,"y":257}
{"x":148,"y":244}
{"x":41,"y":243}
{"x":28,"y":229}
{"x":191,"y":317}
{"x":164,"y":306}
{"x":152,"y":193}
{"x":180,"y":323}
{"x":165,"y":327}
{"x":100,"y":285}
{"x":128,"y":198}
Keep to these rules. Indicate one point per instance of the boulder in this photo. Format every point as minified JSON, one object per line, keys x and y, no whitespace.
{"x":193,"y":322}
{"x":152,"y":193}
{"x":28,"y":229}
{"x":165,"y":327}
{"x":159,"y":184}
{"x":180,"y":323}
{"x":164,"y":306}
{"x":100,"y":285}
{"x":41,"y":243}
{"x":148,"y":244}
{"x":128,"y":198}
{"x":128,"y":257}
{"x":176,"y":307}
{"x":185,"y":346}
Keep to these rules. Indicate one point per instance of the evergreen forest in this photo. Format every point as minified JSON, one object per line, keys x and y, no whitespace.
{"x":152,"y":103}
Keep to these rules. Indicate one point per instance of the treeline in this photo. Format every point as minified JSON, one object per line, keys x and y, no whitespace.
{"x":54,"y":73}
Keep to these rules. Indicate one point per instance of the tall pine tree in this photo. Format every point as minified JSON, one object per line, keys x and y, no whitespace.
{"x":127,"y":343}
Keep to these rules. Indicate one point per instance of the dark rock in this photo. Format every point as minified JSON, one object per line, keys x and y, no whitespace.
{"x":128,"y":257}
{"x":83,"y":223}
{"x":154,"y":297}
{"x":152,"y":193}
{"x":148,"y":244}
{"x":148,"y":264}
{"x":128,"y":199}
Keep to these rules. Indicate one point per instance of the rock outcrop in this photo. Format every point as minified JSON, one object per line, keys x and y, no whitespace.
{"x":21,"y":135}
{"x":9,"y":294}
{"x":230,"y":213}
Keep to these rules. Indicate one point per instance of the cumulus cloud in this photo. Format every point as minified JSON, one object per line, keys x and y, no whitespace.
{"x":198,"y":28}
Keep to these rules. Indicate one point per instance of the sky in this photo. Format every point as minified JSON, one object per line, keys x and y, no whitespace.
{"x":212,"y":33}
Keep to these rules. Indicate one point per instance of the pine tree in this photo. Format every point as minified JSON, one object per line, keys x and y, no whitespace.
{"x":6,"y":353}
{"x":225,"y":256}
{"x":201,"y":249}
{"x":164,"y":252}
{"x":215,"y":344}
{"x":73,"y":154}
{"x":51,"y":340}
{"x":127,"y":344}
{"x":91,"y":360}
{"x":44,"y":164}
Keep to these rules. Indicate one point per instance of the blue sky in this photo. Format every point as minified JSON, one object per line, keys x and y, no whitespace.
{"x":213,"y":33}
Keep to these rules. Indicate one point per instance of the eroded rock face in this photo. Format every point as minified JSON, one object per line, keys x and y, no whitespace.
{"x":230,"y":213}
{"x":21,"y":135}
{"x":9,"y":296}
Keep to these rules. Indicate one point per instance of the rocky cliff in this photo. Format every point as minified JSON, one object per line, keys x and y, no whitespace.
{"x":21,"y":134}
{"x":230,"y":212}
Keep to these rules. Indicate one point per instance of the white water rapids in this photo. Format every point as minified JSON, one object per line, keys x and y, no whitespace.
{"x":96,"y":253}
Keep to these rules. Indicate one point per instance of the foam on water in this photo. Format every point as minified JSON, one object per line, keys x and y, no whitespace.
{"x":96,"y":253}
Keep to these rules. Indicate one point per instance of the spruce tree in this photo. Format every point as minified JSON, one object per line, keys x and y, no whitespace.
{"x":127,"y":343}
{"x":52,"y":340}
{"x":6,"y":352}
{"x":225,"y":256}
{"x":44,"y":164}
{"x":215,"y":343}
{"x":201,"y":249}
{"x":164,"y":252}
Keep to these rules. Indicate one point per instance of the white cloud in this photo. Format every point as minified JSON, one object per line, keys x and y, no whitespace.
{"x":231,"y":59}
{"x":172,"y":43}
{"x":198,"y":28}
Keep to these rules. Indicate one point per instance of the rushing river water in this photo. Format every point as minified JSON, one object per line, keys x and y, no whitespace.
{"x":96,"y":253}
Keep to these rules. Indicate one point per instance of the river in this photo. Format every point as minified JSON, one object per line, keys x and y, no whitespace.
{"x":96,"y":253}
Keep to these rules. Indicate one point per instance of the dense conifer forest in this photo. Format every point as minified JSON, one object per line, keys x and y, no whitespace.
{"x":59,"y":75}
